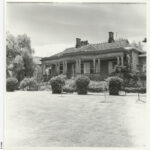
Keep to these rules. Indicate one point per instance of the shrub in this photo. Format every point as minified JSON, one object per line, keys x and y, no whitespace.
{"x":64,"y":77}
{"x":29,"y":84}
{"x":44,"y":86}
{"x":57,"y":84}
{"x":142,"y":76}
{"x":135,"y":90}
{"x":71,"y":83}
{"x":70,"y":86}
{"x":82,"y":83}
{"x":68,"y":89}
{"x":11,"y":84}
{"x":114,"y":84}
{"x":96,"y":86}
{"x":95,"y":89}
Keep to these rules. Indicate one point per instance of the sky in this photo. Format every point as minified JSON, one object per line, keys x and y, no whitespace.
{"x":52,"y":27}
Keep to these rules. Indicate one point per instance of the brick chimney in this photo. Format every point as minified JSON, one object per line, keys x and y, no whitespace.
{"x":111,"y":37}
{"x":78,"y":42}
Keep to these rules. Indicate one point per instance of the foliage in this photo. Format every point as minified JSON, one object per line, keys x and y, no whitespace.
{"x":29,"y":84}
{"x":57,"y":84}
{"x":142,"y":76}
{"x":11,"y":84}
{"x":24,"y":41}
{"x":95,"y":86}
{"x":127,"y":75}
{"x":44,"y":86}
{"x":12,"y":49}
{"x":38,"y":74}
{"x":19,"y":56}
{"x":95,"y":89}
{"x":114,"y":84}
{"x":63,"y":77}
{"x":18,"y":68}
{"x":29,"y":65}
{"x":135,"y":90}
{"x":70,"y":86}
{"x":71,"y":83}
{"x":68,"y":89}
{"x":82,"y":83}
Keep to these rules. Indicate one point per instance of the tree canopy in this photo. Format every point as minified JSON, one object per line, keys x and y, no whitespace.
{"x":19,"y":56}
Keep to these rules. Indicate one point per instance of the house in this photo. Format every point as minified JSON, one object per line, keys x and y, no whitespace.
{"x":94,"y":60}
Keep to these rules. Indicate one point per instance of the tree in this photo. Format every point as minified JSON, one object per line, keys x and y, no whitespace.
{"x":12,"y":49}
{"x":29,"y":65}
{"x":18,"y":66}
{"x":24,"y":42}
{"x":19,"y":56}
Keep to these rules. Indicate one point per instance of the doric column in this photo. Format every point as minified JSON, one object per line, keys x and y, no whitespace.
{"x":76,"y":66}
{"x":98,"y":66}
{"x":79,"y":66}
{"x":57,"y":68}
{"x":63,"y":67}
{"x":94,"y":68}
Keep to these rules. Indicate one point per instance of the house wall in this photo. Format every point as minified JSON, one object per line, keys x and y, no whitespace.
{"x":135,"y":60}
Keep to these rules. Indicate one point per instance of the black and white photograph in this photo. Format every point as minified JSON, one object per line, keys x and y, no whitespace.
{"x":76,"y":74}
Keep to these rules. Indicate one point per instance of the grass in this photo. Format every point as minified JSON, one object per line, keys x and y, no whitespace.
{"x":45,"y":119}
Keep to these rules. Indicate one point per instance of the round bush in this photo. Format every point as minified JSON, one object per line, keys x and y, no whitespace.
{"x":82,"y":83}
{"x":11,"y":84}
{"x":29,"y":84}
{"x":57,"y":84}
{"x":114,"y":84}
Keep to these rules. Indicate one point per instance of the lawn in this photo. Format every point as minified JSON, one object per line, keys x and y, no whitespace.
{"x":45,"y":119}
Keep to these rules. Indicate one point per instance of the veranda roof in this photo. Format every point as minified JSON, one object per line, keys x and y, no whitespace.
{"x":91,"y":49}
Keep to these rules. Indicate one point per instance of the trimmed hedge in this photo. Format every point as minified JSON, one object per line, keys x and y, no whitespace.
{"x":95,"y":89}
{"x":11,"y":84}
{"x":96,"y":86}
{"x":135,"y":90}
{"x":29,"y":84}
{"x":68,"y":89}
{"x":114,"y":84}
{"x":82,"y":83}
{"x":57,"y":84}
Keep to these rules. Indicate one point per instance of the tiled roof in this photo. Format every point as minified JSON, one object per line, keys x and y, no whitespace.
{"x":90,"y":48}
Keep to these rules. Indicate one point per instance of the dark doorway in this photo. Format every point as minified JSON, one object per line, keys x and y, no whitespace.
{"x":70,"y":70}
{"x":104,"y":69}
